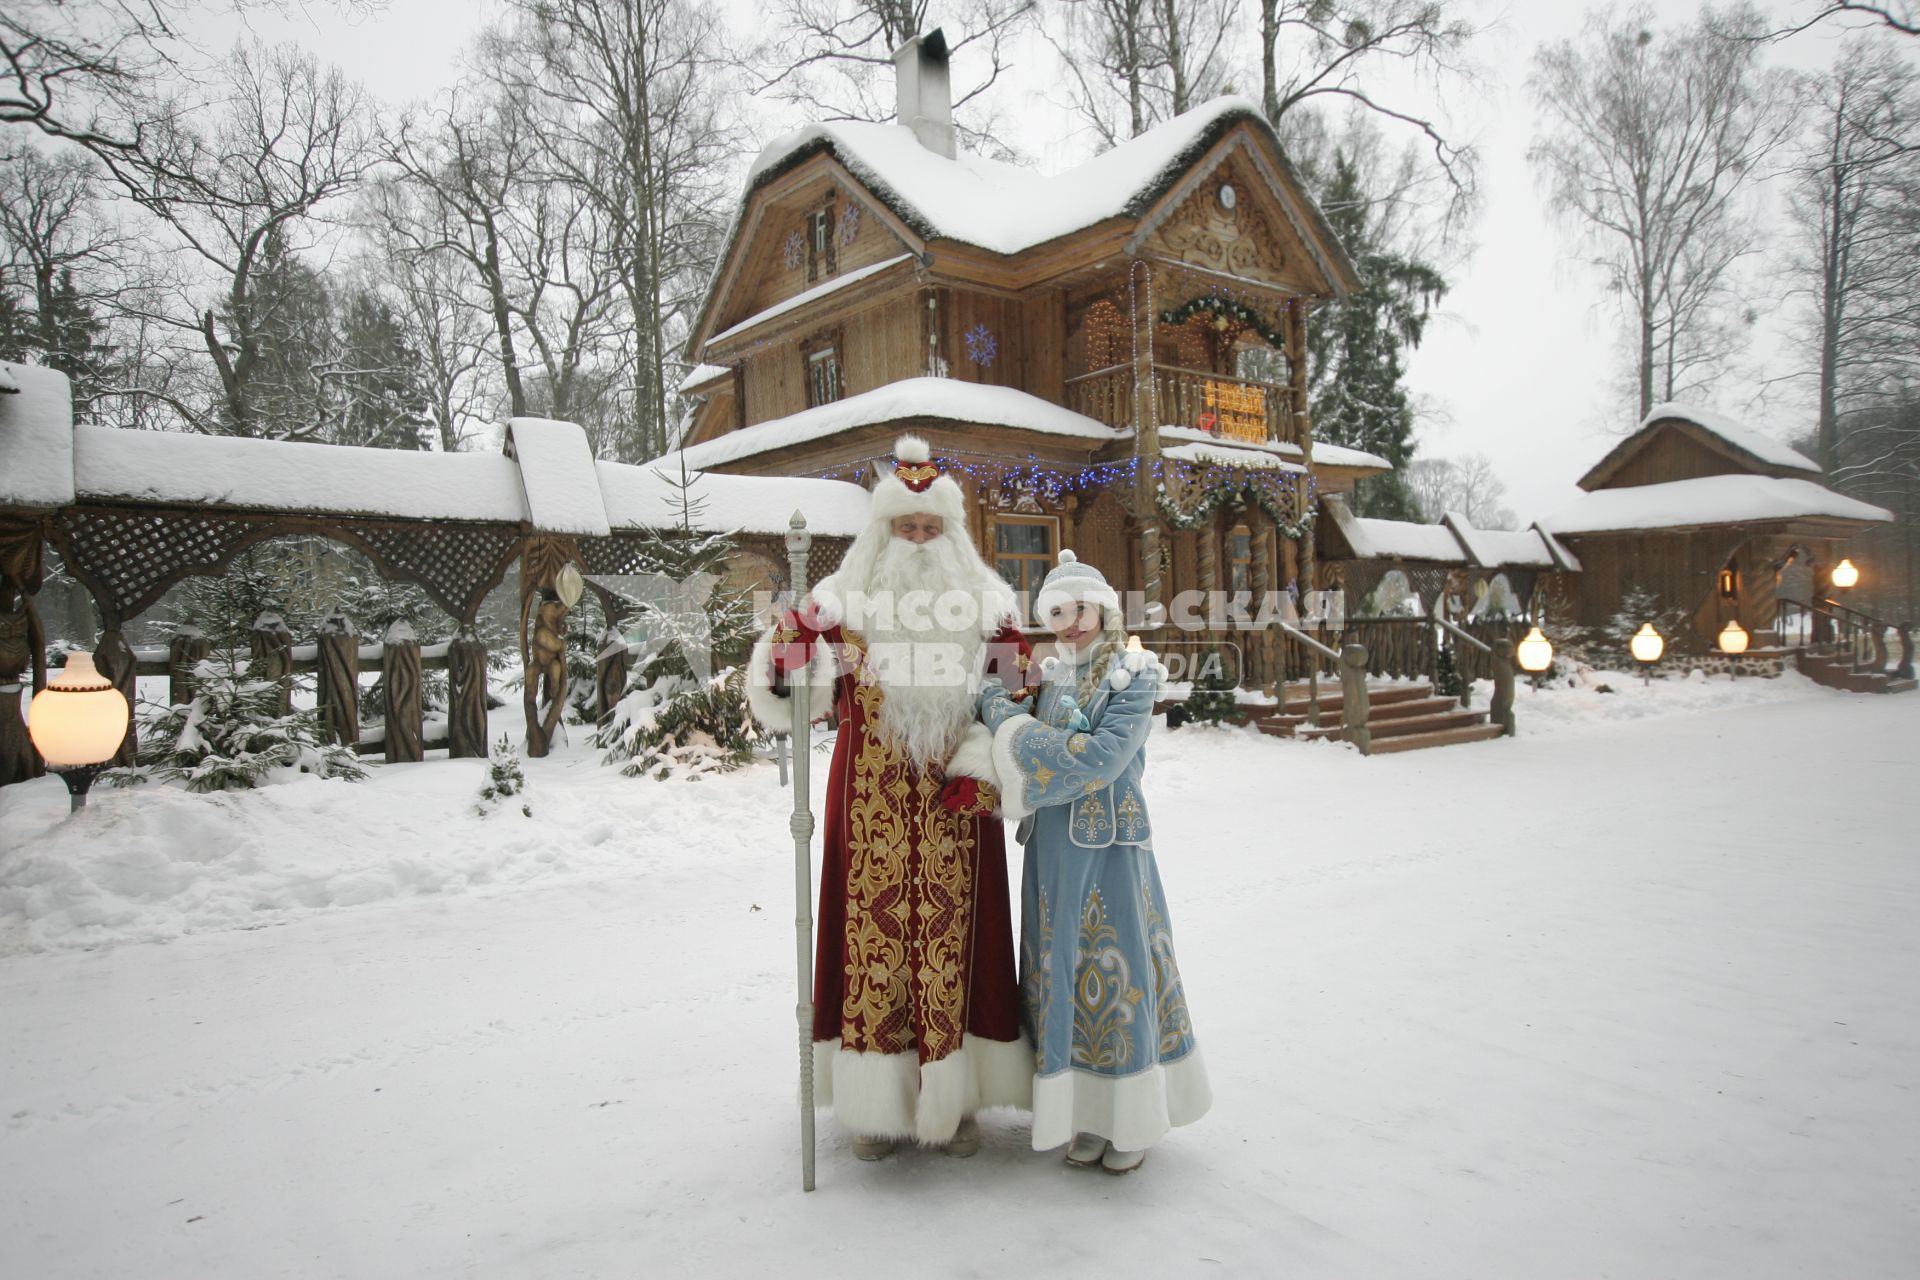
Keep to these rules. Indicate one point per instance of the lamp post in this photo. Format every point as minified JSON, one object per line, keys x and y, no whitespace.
{"x":1646,"y":647}
{"x":1534,"y":654}
{"x":1733,"y":643}
{"x":77,"y":723}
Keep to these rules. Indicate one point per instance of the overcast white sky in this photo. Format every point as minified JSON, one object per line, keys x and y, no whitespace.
{"x":1516,"y":365}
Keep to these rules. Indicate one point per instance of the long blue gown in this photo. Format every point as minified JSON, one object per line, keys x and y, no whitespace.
{"x":1101,"y":992}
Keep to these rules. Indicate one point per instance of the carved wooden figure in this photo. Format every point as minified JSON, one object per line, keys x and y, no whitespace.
{"x":546,"y":685}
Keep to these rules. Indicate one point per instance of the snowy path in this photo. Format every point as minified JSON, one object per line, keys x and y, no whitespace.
{"x":1628,"y":998}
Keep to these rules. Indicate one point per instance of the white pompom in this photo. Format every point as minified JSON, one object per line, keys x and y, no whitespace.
{"x":911,"y":449}
{"x":1120,"y":678}
{"x":1067,"y":556}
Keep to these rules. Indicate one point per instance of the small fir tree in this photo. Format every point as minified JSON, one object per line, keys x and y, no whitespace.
{"x":1212,"y":700}
{"x":695,"y":730}
{"x":504,"y":779}
{"x":231,"y":736}
{"x":1446,"y":674}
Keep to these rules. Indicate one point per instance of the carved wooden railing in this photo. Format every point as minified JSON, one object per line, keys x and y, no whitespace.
{"x":1230,"y":407}
{"x":1831,"y":629}
{"x":1351,"y":660}
{"x":1499,"y":658}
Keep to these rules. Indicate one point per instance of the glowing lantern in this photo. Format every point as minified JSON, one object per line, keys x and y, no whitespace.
{"x":77,"y":722}
{"x":1733,"y":639}
{"x":1647,"y":646}
{"x":1845,"y":574}
{"x":1535,"y":653}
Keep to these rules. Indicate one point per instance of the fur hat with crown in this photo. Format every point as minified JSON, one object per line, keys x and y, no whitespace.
{"x":917,"y":486}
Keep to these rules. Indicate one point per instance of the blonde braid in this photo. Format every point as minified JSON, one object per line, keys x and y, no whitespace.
{"x":1113,"y":639}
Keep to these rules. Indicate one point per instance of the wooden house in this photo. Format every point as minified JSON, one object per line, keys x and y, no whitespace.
{"x":1112,"y":358}
{"x":1717,"y":520}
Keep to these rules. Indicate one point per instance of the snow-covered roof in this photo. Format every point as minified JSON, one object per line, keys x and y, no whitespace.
{"x":801,"y":299}
{"x":1219,"y":454}
{"x":36,"y":438}
{"x":8,"y":383}
{"x":1495,"y":547}
{"x":1707,"y":500}
{"x":701,"y":374}
{"x":279,"y":475}
{"x":1171,"y":432}
{"x":945,"y":399}
{"x":1734,"y":432}
{"x":1373,"y":539}
{"x":650,"y":496}
{"x":1337,"y":455}
{"x":999,"y":206}
{"x":556,"y":468}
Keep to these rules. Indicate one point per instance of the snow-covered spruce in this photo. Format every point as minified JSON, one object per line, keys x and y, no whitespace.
{"x":1212,"y":700}
{"x":676,"y":726}
{"x":231,"y":736}
{"x":504,"y":779}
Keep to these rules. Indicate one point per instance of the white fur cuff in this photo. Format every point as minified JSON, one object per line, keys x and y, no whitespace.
{"x":774,"y":712}
{"x":974,"y":756}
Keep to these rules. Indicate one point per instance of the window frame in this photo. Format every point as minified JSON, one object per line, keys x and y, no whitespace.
{"x":1042,"y":562}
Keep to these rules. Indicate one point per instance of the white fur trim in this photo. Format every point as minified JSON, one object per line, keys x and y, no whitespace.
{"x":973,"y":758}
{"x":1067,"y":556}
{"x":1132,"y":1112}
{"x":912,"y":449}
{"x":1075,"y":590}
{"x":890,"y":1095}
{"x":774,"y":712}
{"x":1013,"y":792}
{"x":1120,"y":678}
{"x":892,"y":499}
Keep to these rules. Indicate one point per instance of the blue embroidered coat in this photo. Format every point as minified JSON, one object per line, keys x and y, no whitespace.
{"x":1100,"y":990}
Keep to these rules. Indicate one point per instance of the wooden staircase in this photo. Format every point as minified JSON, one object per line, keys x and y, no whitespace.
{"x":1836,"y":671}
{"x":1400,"y":717}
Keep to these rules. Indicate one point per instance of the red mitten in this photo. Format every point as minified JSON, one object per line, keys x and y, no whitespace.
{"x":968,"y":797}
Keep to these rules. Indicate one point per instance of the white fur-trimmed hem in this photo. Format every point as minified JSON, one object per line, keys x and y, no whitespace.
{"x":1013,"y":785}
{"x":1132,"y":1112}
{"x":890,"y":1095}
{"x":774,"y":712}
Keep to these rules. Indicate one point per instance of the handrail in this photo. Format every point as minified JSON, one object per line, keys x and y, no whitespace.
{"x":1308,"y":641}
{"x":1463,"y":634}
{"x":1098,"y":373}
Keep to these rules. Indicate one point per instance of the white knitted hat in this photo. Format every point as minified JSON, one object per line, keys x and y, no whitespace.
{"x":1072,"y":581}
{"x":916,"y":485}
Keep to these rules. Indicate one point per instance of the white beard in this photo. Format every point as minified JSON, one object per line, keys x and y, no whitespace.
{"x":921,"y":614}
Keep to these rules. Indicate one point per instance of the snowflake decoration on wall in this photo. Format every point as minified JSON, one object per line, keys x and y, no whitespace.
{"x":795,"y":250}
{"x":850,"y":222}
{"x":981,"y":346}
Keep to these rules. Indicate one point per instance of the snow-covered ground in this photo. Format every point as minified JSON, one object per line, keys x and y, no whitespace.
{"x":1629,"y":996}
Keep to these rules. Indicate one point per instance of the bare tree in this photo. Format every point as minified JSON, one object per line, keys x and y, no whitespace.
{"x":1855,"y":201}
{"x":1467,"y":485}
{"x":284,"y":139}
{"x":833,"y":59}
{"x":633,"y":116}
{"x":1314,"y":52}
{"x":1133,"y":63}
{"x":1651,"y":145}
{"x":1900,"y":16}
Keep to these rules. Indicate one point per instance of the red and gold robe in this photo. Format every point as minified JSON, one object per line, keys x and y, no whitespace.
{"x":916,"y":1020}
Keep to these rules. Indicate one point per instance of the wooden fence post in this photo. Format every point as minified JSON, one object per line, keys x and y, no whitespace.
{"x":338,"y":663}
{"x":400,"y":674}
{"x":1501,"y":712}
{"x":272,"y":646}
{"x":1355,"y":704}
{"x":114,"y":659}
{"x":467,"y":696}
{"x":1905,"y":670}
{"x":187,"y":650}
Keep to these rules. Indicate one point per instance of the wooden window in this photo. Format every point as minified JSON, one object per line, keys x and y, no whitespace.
{"x":823,"y":375}
{"x":1240,"y":559}
{"x":822,"y":252}
{"x":1023,"y":550}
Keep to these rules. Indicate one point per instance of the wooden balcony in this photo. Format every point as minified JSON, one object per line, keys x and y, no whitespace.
{"x":1231,"y":408}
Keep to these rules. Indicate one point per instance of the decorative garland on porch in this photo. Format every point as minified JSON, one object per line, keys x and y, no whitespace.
{"x":1272,"y":498}
{"x":1228,"y":309}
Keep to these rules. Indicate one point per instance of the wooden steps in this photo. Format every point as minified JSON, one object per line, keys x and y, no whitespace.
{"x":1836,"y":672}
{"x":1400,"y":717}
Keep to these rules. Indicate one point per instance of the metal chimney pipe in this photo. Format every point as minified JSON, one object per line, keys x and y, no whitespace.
{"x":925,"y":91}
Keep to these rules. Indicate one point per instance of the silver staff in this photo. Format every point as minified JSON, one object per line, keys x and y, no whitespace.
{"x":798,"y":541}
